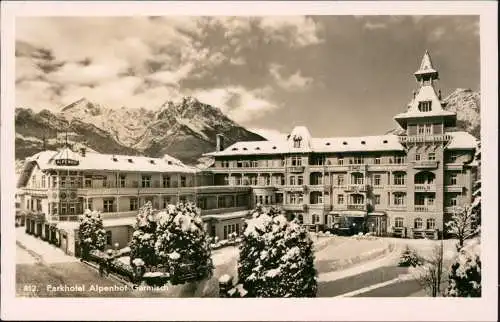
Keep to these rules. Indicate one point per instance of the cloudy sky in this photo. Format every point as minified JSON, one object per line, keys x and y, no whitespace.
{"x":338,"y":75}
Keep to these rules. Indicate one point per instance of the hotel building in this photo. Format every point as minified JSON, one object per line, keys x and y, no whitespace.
{"x":400,"y":185}
{"x":403,"y":185}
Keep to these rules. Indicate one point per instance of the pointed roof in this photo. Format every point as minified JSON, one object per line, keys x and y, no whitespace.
{"x":426,"y":67}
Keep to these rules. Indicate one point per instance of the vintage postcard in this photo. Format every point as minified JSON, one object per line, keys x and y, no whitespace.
{"x":180,"y":160}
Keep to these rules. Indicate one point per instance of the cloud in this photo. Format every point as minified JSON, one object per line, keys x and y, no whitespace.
{"x":437,"y":34}
{"x":293,"y":82}
{"x":239,"y":103}
{"x":269,"y":134}
{"x":299,"y":30}
{"x":374,"y":25}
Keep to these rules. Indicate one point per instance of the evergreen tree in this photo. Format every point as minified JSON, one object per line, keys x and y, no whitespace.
{"x":464,"y":279}
{"x":143,"y":240}
{"x":182,"y":244}
{"x":276,"y":257}
{"x":91,"y":233}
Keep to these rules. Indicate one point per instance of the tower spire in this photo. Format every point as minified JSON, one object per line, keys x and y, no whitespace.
{"x":426,"y":71}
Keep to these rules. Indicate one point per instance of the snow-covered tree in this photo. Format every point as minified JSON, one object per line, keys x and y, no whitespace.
{"x":276,"y":257}
{"x":429,"y":273}
{"x":462,"y":224}
{"x":91,"y":233}
{"x":143,"y":240}
{"x":182,"y":244}
{"x":464,"y":279}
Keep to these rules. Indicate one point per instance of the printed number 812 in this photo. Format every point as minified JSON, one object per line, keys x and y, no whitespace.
{"x":30,"y":288}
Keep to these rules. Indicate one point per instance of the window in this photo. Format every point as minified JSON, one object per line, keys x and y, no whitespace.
{"x":431,"y":223}
{"x":108,"y":205}
{"x":239,"y":164}
{"x":90,"y":205}
{"x":428,"y":128}
{"x":453,"y":201}
{"x":357,"y":199}
{"x":453,"y":158}
{"x":315,"y":219}
{"x":376,"y":199}
{"x":420,"y":129}
{"x":296,"y":198}
{"x":340,"y":179}
{"x":399,"y":179}
{"x":377,"y":160}
{"x":417,"y":157}
{"x":296,"y":161}
{"x":63,"y":181}
{"x":88,"y":182}
{"x":266,"y":200}
{"x":340,"y":161}
{"x":109,"y":239}
{"x":300,"y":218}
{"x":146,"y":181}
{"x":357,"y":160}
{"x":418,"y":224}
{"x":430,"y":201}
{"x":340,"y":199}
{"x":261,"y":200}
{"x":183,"y":181}
{"x":399,"y":159}
{"x":376,"y":180}
{"x":54,"y":181}
{"x":453,"y":179}
{"x":122,"y":181}
{"x":225,"y":164}
{"x":431,"y":156}
{"x":399,"y":199}
{"x":292,"y":180}
{"x":399,"y":222}
{"x":425,"y":106}
{"x":296,"y":142}
{"x":43,"y":181}
{"x":300,"y":180}
{"x":133,"y":204}
{"x":357,"y":178}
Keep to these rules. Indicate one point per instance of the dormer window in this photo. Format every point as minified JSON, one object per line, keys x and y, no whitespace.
{"x":152,"y":161}
{"x":115,"y":159}
{"x":130,"y":161}
{"x":257,"y":148}
{"x":297,"y":140}
{"x":327,"y":143}
{"x":344,"y":143}
{"x":234,"y":149}
{"x":274,"y":148}
{"x":363,"y":142}
{"x":385,"y":141}
{"x":425,"y":106}
{"x":244,"y":149}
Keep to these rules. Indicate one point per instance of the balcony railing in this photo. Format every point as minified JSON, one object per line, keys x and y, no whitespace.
{"x":357,"y":187}
{"x":424,"y":208}
{"x":293,"y":206}
{"x":438,"y":138}
{"x":357,"y":167}
{"x":425,"y":187}
{"x":356,"y":206}
{"x":426,"y":164}
{"x":453,"y":188}
{"x":296,"y":169}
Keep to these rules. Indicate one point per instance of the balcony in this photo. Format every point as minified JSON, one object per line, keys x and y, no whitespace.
{"x":320,"y":206}
{"x":356,"y":207}
{"x":293,"y":188}
{"x":426,"y":164}
{"x":357,"y":167}
{"x":296,"y":169}
{"x":437,"y":138}
{"x":424,"y":209}
{"x":292,"y":206}
{"x":456,"y":188}
{"x":454,"y":166}
{"x":387,"y":167}
{"x":356,"y":188}
{"x":425,"y":187}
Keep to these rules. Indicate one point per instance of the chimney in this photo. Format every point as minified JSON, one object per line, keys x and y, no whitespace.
{"x":83,"y":151}
{"x":219,"y":142}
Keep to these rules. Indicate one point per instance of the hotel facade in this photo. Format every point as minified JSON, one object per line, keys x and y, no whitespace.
{"x":403,"y":185}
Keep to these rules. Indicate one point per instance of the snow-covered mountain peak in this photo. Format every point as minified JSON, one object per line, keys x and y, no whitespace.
{"x":83,"y":106}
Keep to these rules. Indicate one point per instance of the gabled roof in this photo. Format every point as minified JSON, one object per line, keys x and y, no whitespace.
{"x":97,"y":161}
{"x":388,"y":142}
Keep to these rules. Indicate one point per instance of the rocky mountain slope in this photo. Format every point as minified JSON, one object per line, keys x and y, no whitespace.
{"x":467,"y":104}
{"x":184,"y":129}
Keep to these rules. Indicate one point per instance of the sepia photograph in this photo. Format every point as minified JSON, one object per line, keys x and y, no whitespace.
{"x":239,"y":156}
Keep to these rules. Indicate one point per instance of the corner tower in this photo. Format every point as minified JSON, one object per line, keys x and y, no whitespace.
{"x":425,"y":123}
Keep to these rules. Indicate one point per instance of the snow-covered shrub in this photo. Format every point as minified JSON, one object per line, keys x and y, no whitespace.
{"x":464,"y":279}
{"x":91,"y":233}
{"x":276,"y":257}
{"x":409,"y":257}
{"x":182,"y":244}
{"x":143,"y":240}
{"x":463,"y":224}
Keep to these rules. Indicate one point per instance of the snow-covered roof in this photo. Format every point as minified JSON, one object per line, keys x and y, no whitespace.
{"x":388,"y":142}
{"x":46,"y":160}
{"x":426,"y":66}
{"x":462,"y":140}
{"x":426,"y":93}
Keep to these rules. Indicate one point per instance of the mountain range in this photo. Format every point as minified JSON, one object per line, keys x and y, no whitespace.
{"x":184,"y":129}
